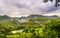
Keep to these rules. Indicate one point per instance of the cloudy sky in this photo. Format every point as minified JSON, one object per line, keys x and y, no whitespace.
{"x":27,"y":7}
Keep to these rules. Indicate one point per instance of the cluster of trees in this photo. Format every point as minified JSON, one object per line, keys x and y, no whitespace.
{"x":6,"y":26}
{"x":49,"y":29}
{"x":34,"y":28}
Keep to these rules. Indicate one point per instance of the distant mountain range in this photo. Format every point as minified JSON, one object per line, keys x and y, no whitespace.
{"x":38,"y":16}
{"x":30,"y":16}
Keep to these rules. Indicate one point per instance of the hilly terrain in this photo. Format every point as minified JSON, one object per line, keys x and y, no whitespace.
{"x":32,"y":26}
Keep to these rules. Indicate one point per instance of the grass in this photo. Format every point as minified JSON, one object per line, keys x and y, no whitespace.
{"x":13,"y":36}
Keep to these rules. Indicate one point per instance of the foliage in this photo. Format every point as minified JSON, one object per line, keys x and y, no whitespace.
{"x":34,"y":28}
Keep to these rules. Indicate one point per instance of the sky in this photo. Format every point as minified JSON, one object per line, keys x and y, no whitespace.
{"x":16,"y":8}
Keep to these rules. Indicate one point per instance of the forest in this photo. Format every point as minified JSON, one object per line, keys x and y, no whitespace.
{"x":34,"y":28}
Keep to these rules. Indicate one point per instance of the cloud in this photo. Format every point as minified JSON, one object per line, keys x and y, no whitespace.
{"x":57,"y":12}
{"x":26,"y":7}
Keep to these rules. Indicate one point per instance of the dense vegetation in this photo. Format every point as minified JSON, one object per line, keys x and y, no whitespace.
{"x":34,"y":28}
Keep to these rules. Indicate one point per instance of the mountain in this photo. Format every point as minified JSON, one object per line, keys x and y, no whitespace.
{"x":24,"y":19}
{"x":42,"y":16}
{"x":35,"y":16}
{"x":4,"y":17}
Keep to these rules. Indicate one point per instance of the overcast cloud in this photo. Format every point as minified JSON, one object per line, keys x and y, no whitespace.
{"x":27,"y":7}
